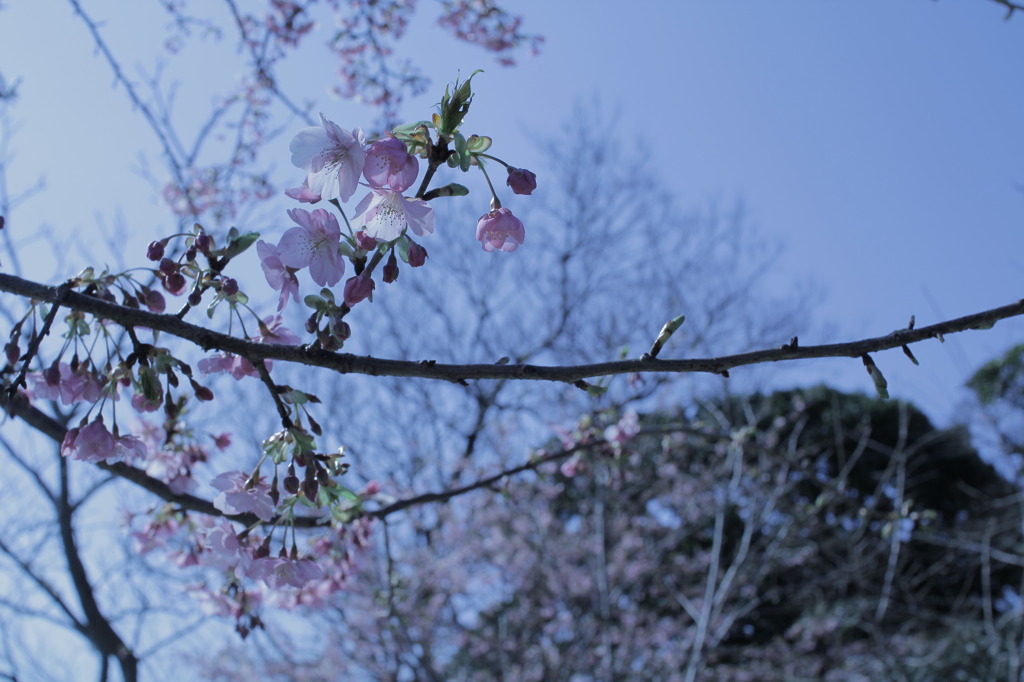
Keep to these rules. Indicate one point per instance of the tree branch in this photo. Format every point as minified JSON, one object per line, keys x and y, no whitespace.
{"x":345,"y":363}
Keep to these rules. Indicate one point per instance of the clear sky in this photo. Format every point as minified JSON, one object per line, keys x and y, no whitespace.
{"x":881,"y":142}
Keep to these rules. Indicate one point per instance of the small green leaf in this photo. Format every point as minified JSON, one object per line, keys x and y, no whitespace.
{"x":239,"y":244}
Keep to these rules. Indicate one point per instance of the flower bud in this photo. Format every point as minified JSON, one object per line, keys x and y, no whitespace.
{"x":154,"y":300}
{"x":365,"y":241}
{"x":229,"y":286}
{"x":156,"y":250}
{"x":417,"y":255}
{"x":357,"y":289}
{"x":310,"y":488}
{"x":12,"y":351}
{"x":391,"y":268}
{"x":167,"y":266}
{"x":521,"y":180}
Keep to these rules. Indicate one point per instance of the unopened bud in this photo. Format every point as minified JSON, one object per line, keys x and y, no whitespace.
{"x":391,"y":268}
{"x":417,"y":255}
{"x":156,"y":250}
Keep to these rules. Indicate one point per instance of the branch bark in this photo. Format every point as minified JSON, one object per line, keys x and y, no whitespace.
{"x":346,"y":363}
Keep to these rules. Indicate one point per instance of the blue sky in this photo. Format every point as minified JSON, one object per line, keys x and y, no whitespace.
{"x":880,"y":142}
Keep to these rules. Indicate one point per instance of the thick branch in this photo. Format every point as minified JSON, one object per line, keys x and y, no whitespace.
{"x":345,"y":363}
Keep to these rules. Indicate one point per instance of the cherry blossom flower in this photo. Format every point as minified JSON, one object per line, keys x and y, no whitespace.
{"x":65,"y":385}
{"x":92,"y":443}
{"x":332,"y":157}
{"x":314,"y":243}
{"x":303,"y":194}
{"x":276,"y":332}
{"x":235,"y":365}
{"x":521,"y":180}
{"x":384,"y":214}
{"x":131,"y":448}
{"x":236,"y":498}
{"x":225,"y":550}
{"x":388,"y":164}
{"x":279,"y":276}
{"x":626,"y":428}
{"x":499,"y":229}
{"x":277,"y":572}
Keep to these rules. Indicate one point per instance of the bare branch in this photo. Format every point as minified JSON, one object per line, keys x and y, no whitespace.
{"x":345,"y":363}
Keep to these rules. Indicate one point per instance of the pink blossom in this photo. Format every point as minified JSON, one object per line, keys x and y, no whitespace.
{"x":155,"y":534}
{"x":222,"y":441}
{"x":499,"y":229}
{"x":332,"y":157}
{"x":314,"y":243}
{"x":65,"y":385}
{"x":92,"y":443}
{"x":280,"y":571}
{"x":279,"y":276}
{"x":225,"y":549}
{"x":131,"y":448}
{"x":303,"y":194}
{"x":388,"y":164}
{"x":276,"y":332}
{"x":521,"y":180}
{"x":235,"y":365}
{"x":357,"y":289}
{"x":237,"y":498}
{"x":627,"y":427}
{"x":143,"y":404}
{"x":385,"y":214}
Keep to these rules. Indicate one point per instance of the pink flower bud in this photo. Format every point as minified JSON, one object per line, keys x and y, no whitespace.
{"x":156,"y":250}
{"x":357,"y":289}
{"x":391,"y":268}
{"x":521,"y":180}
{"x":229,"y":286}
{"x":365,"y":241}
{"x":167,"y":266}
{"x":175,"y":283}
{"x":417,"y":255}
{"x":12,"y":351}
{"x":154,"y":300}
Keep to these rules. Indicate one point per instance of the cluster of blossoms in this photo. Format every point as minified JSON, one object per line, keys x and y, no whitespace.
{"x":335,"y":160}
{"x":381,"y":227}
{"x":591,"y":432}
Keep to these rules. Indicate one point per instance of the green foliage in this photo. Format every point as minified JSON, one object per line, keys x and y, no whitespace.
{"x":1001,"y":379}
